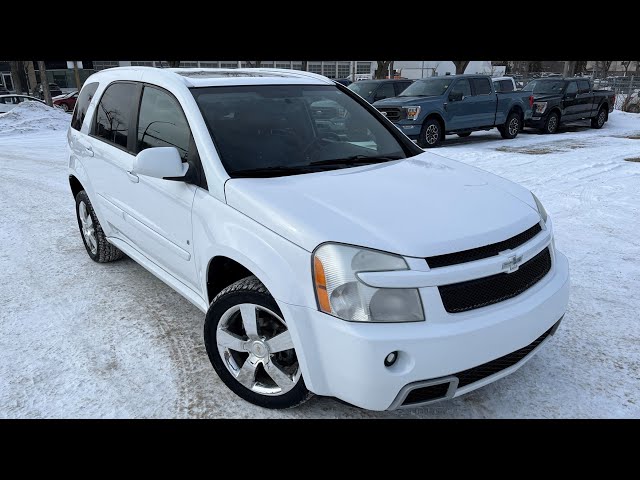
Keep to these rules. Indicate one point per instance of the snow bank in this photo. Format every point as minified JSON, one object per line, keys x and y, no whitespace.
{"x":33,"y":117}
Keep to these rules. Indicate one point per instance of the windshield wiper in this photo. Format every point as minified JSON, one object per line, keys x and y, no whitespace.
{"x":356,"y":159}
{"x":274,"y":171}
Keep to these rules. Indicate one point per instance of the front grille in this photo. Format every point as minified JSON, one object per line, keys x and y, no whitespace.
{"x":483,"y":252}
{"x":392,"y":113}
{"x":485,"y":370}
{"x":426,"y":394}
{"x":463,"y":296}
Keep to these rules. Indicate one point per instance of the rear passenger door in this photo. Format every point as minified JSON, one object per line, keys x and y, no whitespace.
{"x":109,"y":156}
{"x":483,"y":103}
{"x":158,"y":212}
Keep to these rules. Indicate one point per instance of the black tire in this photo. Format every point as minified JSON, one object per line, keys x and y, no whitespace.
{"x":599,"y":120}
{"x":512,"y":126}
{"x":464,"y":134}
{"x":552,"y":123}
{"x":246,"y":290}
{"x":64,"y":107}
{"x":103,"y":251}
{"x":431,"y":134}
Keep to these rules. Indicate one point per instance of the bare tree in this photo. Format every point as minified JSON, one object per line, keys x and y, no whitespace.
{"x":461,"y":66}
{"x":603,"y":66}
{"x":45,"y":83}
{"x":31,"y":77}
{"x":383,"y":68}
{"x":15,"y":76}
{"x":626,"y":64}
{"x":174,"y":63}
{"x":581,"y":66}
{"x":305,"y":65}
{"x":254,"y":63}
{"x":569,"y":68}
{"x":76,"y":72}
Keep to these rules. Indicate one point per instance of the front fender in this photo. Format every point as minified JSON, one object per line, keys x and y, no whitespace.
{"x":283,"y":267}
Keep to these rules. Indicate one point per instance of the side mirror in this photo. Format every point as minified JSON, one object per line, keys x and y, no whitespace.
{"x":160,"y":162}
{"x":456,"y":96}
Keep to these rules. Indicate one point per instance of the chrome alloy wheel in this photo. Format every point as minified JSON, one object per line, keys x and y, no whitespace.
{"x":88,"y":229}
{"x":432,"y":134}
{"x":514,"y":126}
{"x":256,"y":347}
{"x":553,"y":124}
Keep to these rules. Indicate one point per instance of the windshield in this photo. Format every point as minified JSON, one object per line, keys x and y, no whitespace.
{"x":545,"y":86}
{"x":431,"y":87}
{"x":273,"y":130}
{"x":364,"y":89}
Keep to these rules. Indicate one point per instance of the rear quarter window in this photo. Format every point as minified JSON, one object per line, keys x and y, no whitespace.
{"x":82,"y":104}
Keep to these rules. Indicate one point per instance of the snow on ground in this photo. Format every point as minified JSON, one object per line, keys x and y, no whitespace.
{"x":78,"y":339}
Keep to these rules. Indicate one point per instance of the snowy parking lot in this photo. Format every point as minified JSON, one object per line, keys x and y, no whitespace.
{"x":80,"y":339}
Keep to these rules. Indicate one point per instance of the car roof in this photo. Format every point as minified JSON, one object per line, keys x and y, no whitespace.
{"x":209,"y":77}
{"x":381,"y":80}
{"x":16,"y":95}
{"x":501,"y":78}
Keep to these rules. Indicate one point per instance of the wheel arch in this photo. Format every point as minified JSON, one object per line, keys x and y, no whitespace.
{"x":76,"y":185}
{"x":438,"y":117}
{"x":517,"y":109}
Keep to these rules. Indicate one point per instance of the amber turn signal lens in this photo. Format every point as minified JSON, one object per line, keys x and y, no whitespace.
{"x":321,"y":286}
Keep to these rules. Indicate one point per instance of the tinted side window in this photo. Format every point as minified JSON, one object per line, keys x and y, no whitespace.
{"x":400,"y":87}
{"x":583,"y":86}
{"x":385,"y":91}
{"x":506,"y":86}
{"x":572,"y":87}
{"x":161,"y":122}
{"x":463,"y":86}
{"x":113,"y":114}
{"x":482,"y":86}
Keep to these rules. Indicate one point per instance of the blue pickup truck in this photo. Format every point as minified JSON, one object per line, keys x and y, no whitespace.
{"x":432,"y":107}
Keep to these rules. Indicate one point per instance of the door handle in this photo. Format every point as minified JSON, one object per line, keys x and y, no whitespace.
{"x":133,"y":177}
{"x":88,"y":149}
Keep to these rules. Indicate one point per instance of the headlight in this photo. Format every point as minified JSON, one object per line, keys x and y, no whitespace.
{"x":412,"y":112}
{"x":541,"y":210}
{"x":340,"y":292}
{"x":539,"y":107}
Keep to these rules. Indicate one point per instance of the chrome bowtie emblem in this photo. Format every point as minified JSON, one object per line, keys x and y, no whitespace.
{"x":512,"y":264}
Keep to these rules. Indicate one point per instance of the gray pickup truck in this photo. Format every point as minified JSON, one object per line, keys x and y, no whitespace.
{"x":432,"y":107}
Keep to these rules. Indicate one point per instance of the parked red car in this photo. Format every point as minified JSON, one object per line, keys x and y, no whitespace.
{"x":66,"y":102}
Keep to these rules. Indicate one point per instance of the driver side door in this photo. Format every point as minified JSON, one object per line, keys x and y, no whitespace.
{"x":457,"y":114}
{"x":158,"y":210}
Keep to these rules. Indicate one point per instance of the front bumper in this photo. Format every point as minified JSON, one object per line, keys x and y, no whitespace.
{"x":536,"y":122}
{"x":346,"y":359}
{"x":411,"y":130}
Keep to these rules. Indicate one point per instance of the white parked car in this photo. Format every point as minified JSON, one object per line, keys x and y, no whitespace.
{"x":10,"y":101}
{"x":329,"y":253}
{"x":504,"y":84}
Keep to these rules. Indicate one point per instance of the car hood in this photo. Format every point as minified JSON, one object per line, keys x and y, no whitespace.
{"x":546,"y":97}
{"x":401,"y":101}
{"x":421,"y":206}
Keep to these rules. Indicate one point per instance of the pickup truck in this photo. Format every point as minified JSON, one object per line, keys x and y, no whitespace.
{"x":432,"y":107}
{"x":558,"y":100}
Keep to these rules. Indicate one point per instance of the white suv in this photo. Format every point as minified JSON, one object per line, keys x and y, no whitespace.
{"x":330,"y":254}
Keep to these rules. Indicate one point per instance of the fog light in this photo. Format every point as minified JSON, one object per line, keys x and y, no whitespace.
{"x":390,"y":359}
